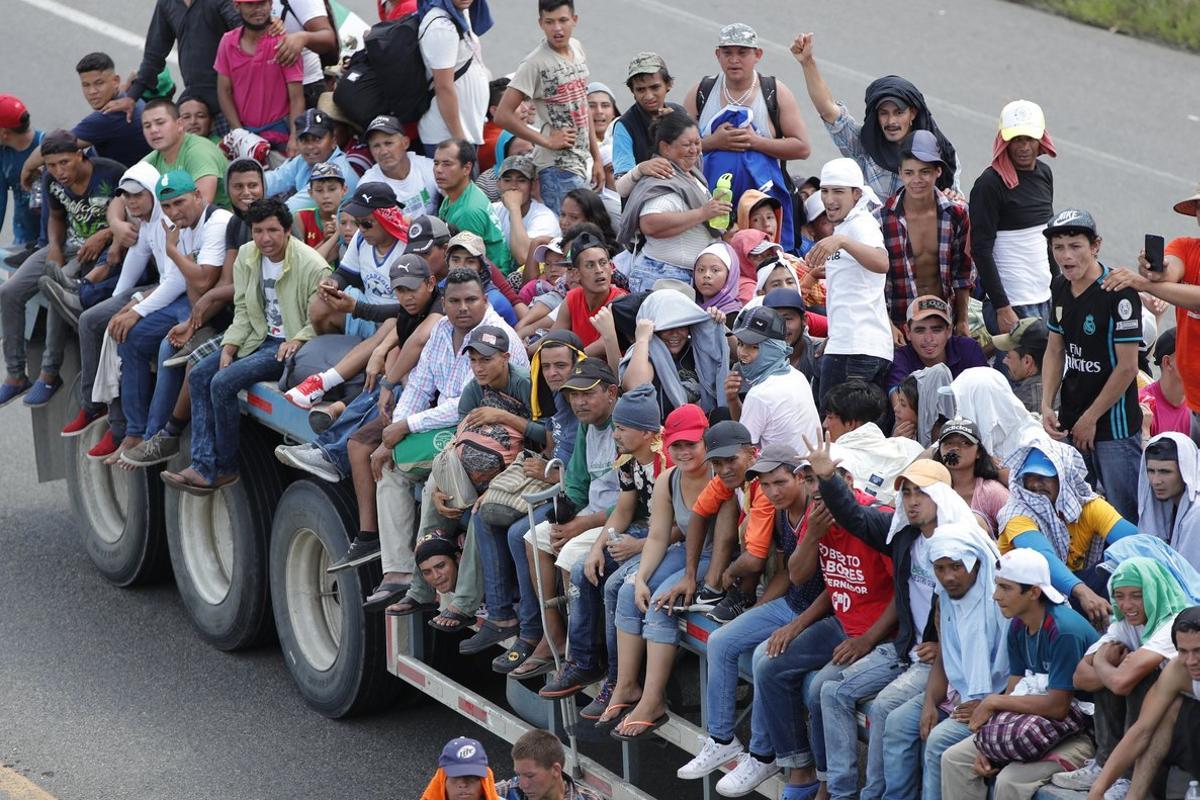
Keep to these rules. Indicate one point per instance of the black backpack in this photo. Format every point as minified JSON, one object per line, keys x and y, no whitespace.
{"x":360,"y":93}
{"x":393,"y":49}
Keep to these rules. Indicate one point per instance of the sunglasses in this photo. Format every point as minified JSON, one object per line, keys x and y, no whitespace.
{"x":365,"y":224}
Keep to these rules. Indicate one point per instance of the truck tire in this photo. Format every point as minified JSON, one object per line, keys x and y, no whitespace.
{"x":218,"y":547}
{"x":120,"y":514}
{"x":334,"y":652}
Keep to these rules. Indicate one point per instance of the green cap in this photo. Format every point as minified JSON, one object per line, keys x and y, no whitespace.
{"x":175,"y":183}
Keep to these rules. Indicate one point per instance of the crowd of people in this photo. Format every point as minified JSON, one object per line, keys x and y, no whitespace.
{"x":906,"y":446}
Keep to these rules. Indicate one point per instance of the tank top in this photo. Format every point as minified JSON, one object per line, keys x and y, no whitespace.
{"x":683,"y":511}
{"x":760,"y":119}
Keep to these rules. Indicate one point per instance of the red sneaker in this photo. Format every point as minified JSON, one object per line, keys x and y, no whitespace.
{"x":309,"y":391}
{"x":83,"y":420}
{"x":105,"y":447}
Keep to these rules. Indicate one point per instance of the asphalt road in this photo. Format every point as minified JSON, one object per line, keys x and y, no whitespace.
{"x":107,"y":693}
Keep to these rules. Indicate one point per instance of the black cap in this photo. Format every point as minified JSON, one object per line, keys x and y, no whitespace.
{"x":725,"y":439}
{"x":487,"y":340}
{"x":585,"y":241}
{"x":313,"y":123}
{"x":759,"y":324}
{"x":424,"y":232}
{"x":784,"y":298}
{"x":588,"y":373}
{"x":368,"y":197}
{"x":385,"y":123}
{"x":1071,"y":221}
{"x":409,"y":272}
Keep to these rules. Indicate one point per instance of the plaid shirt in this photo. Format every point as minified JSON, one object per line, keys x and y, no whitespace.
{"x":953,"y":254}
{"x":511,"y":790}
{"x":430,"y":397}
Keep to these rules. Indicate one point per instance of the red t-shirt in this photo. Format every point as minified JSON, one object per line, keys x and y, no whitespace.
{"x":581,"y":315}
{"x":314,"y":233}
{"x":398,"y":11}
{"x":857,"y":576}
{"x":1187,"y":323}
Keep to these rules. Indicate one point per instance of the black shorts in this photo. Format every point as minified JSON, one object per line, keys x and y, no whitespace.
{"x":1185,"y":743}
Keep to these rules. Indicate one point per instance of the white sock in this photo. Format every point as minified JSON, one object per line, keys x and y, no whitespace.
{"x":330,"y":379}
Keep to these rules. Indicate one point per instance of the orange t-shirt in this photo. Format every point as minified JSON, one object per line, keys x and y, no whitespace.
{"x":761,"y":523}
{"x":1187,"y":323}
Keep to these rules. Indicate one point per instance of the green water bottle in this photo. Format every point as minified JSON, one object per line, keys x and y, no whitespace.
{"x":723,"y":193}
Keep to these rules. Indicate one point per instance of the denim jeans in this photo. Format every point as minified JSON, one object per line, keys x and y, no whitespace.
{"x":556,"y":183}
{"x":587,"y":607}
{"x":725,"y":648}
{"x":1115,"y":466}
{"x":612,"y":590}
{"x":646,"y":270}
{"x":93,"y":322}
{"x":660,"y":626}
{"x":215,"y":411}
{"x":333,"y":440}
{"x":498,"y":573}
{"x":913,"y":767}
{"x":880,"y":673}
{"x":141,"y":348}
{"x":18,"y":290}
{"x":780,"y":700}
{"x":837,"y":369}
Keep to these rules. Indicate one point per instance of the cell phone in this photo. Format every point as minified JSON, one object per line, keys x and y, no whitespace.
{"x":1154,"y":252}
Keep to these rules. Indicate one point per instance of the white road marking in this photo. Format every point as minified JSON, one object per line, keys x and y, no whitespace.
{"x":85,"y":20}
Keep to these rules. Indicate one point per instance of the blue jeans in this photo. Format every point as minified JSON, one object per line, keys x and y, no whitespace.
{"x":780,"y":699}
{"x":587,"y":606}
{"x":556,"y":183}
{"x":725,"y":648}
{"x":660,"y":626}
{"x":646,"y":270}
{"x":837,"y":369}
{"x":1039,"y":310}
{"x":142,"y":346}
{"x":333,"y":440}
{"x":1115,"y":464}
{"x":910,"y":768}
{"x":879,"y":672}
{"x":498,"y":573}
{"x":216,"y":414}
{"x":612,"y":590}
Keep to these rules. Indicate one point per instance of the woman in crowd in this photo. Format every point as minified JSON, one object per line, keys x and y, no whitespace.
{"x":973,"y":471}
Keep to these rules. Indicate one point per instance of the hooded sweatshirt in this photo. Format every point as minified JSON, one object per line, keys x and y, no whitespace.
{"x":750,"y":198}
{"x":152,"y":239}
{"x":1177,"y":523}
{"x":1143,"y":545}
{"x":875,"y":460}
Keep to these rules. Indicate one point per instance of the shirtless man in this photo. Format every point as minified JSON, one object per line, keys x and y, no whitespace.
{"x":926,"y":235}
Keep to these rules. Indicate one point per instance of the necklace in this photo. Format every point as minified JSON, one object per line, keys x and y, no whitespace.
{"x":740,"y":101}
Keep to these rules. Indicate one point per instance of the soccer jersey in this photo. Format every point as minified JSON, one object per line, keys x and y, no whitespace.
{"x":372,"y":268}
{"x":1091,"y":325}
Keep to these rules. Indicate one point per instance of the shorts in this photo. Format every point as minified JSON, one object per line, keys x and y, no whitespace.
{"x":573,"y":552}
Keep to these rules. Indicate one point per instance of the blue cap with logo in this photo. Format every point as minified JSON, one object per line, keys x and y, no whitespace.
{"x":462,"y":756}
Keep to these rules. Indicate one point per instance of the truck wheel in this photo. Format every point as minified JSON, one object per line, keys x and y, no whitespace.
{"x":333,"y":650}
{"x":218,"y":548}
{"x":120,"y":514}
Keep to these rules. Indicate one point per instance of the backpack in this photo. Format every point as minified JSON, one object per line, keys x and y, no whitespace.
{"x":360,"y":92}
{"x":394,"y":49}
{"x":770,"y":92}
{"x":327,"y":59}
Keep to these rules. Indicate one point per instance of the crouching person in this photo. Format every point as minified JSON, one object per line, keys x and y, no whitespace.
{"x":274,"y":279}
{"x":463,"y":773}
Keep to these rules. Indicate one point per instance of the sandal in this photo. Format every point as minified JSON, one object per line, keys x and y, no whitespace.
{"x":489,"y":634}
{"x":384,"y":595}
{"x":643,"y":728}
{"x":538,"y":666}
{"x":462,"y":619}
{"x":514,"y":657}
{"x":396,"y":610}
{"x":177,"y":480}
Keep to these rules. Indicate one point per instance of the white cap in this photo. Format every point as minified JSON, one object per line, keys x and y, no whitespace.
{"x":1022,"y":118}
{"x":814,"y":206}
{"x":765,"y":245}
{"x":1024,"y":565}
{"x":842,"y":172}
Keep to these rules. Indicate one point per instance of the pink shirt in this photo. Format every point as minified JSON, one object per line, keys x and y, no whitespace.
{"x":1167,"y":417}
{"x":987,"y":499}
{"x":260,"y":86}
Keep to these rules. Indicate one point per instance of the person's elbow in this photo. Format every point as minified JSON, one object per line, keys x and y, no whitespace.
{"x":1085,"y":678}
{"x":1058,"y":705}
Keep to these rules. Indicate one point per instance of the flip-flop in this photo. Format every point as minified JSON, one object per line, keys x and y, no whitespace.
{"x":538,"y":665}
{"x":645,"y":728}
{"x":462,"y":619}
{"x":384,"y":595}
{"x":176,"y":481}
{"x":413,"y":608}
{"x":805,"y":791}
{"x":601,"y":723}
{"x":489,"y":634}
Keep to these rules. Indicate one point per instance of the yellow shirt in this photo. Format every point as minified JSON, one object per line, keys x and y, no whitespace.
{"x":1097,"y":519}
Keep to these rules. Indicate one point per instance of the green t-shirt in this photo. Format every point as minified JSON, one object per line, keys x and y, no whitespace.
{"x":473,"y":212}
{"x":199,"y":158}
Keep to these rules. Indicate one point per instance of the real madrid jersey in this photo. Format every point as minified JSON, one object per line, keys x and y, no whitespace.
{"x":1091,"y":325}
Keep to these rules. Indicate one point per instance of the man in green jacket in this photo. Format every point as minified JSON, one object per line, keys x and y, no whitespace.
{"x":274,"y":278}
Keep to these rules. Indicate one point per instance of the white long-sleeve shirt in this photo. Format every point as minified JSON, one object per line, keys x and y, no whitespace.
{"x":204,"y":243}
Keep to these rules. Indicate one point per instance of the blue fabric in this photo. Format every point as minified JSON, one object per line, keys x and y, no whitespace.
{"x":141,"y":349}
{"x":623,"y":159}
{"x":1054,"y":650}
{"x":1061,"y":577}
{"x":25,"y":219}
{"x":529,"y":616}
{"x":481,"y":15}
{"x":1115,"y":465}
{"x":555,"y":183}
{"x":629,"y":618}
{"x":113,"y":137}
{"x":293,"y":174}
{"x":1143,"y":545}
{"x":913,"y":768}
{"x":334,"y":439}
{"x":612,"y":589}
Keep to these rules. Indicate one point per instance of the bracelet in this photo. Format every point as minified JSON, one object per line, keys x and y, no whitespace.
{"x":384,"y":383}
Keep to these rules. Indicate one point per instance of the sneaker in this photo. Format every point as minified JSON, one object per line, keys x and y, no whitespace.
{"x":105,"y":447}
{"x":83,"y":421}
{"x":570,"y":680}
{"x":1118,"y":790}
{"x":710,"y":757}
{"x":309,"y":391}
{"x":17,"y":257}
{"x":65,"y":302}
{"x":41,"y":392}
{"x":746,"y":776}
{"x":308,"y":458}
{"x":11,"y":391}
{"x":1079,"y":780}
{"x":361,"y":551}
{"x":730,"y":608}
{"x":595,"y":709}
{"x":707,"y":598}
{"x":58,"y":275}
{"x":181,"y":355}
{"x":158,"y":449}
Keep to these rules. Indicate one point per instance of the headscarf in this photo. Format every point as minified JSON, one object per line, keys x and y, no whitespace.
{"x":726,"y":298}
{"x":392,"y":220}
{"x":481,"y":17}
{"x":541,"y":399}
{"x":1162,"y":595}
{"x":772,"y":359}
{"x":764,"y":274}
{"x":749,"y":199}
{"x":743,"y":242}
{"x":1003,"y":164}
{"x":887,"y":154}
{"x":1178,"y":526}
{"x":973,"y":632}
{"x":1052,"y":518}
{"x":436,"y":790}
{"x":984,"y":395}
{"x":1147,"y":546}
{"x":951,"y":509}
{"x":930,"y":401}
{"x":847,"y":172}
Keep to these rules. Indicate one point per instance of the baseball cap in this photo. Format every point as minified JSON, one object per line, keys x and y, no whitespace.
{"x":588,"y":374}
{"x":924,"y":472}
{"x":1031,"y":334}
{"x":1028,"y":566}
{"x":774,"y":456}
{"x":59,"y":141}
{"x":962,"y":427}
{"x":739,"y":34}
{"x":1070,"y":220}
{"x":11,"y":111}
{"x":685,"y":424}
{"x":424,"y":232}
{"x":463,"y":757}
{"x":471,"y":242}
{"x":326,"y":170}
{"x":522,"y":164}
{"x":764,"y":246}
{"x":585,"y":241}
{"x":555,"y":246}
{"x":900,"y":102}
{"x":175,"y":183}
{"x":759,"y":324}
{"x":725,"y":439}
{"x":1022,"y":118}
{"x":130,"y":186}
{"x":784,"y":297}
{"x":1038,"y":463}
{"x":929,"y":305}
{"x":645,"y":63}
{"x":368,"y":197}
{"x":923,"y":146}
{"x":487,"y":340}
{"x":814,"y":206}
{"x":313,"y":123}
{"x":385,"y":123}
{"x":409,"y":272}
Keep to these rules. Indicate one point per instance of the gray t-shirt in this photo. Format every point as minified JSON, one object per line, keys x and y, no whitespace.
{"x":558,"y":88}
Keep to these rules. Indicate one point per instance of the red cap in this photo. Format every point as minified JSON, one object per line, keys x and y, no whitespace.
{"x":686,"y":423}
{"x":11,"y":111}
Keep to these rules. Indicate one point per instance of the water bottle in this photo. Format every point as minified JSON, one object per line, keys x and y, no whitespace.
{"x":613,"y":536}
{"x":1193,"y":792}
{"x":723,"y":193}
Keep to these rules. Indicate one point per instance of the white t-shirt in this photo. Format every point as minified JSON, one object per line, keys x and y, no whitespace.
{"x":780,"y":410}
{"x":1131,"y":636}
{"x":417,"y":193}
{"x":204,"y":243}
{"x":920,"y":589}
{"x":539,"y":221}
{"x":441,"y":48}
{"x":299,"y":13}
{"x":682,"y":249}
{"x":854,"y":301}
{"x":375,"y":270}
{"x":271,"y":270}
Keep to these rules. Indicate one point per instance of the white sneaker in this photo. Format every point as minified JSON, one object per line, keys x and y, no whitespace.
{"x":1080,"y":780}
{"x":310,"y":459}
{"x":1118,"y":790}
{"x":711,"y":756}
{"x":746,"y":776}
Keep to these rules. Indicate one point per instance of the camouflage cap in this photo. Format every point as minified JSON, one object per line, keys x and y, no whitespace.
{"x":646,"y":63}
{"x":326,"y":170}
{"x":739,"y":34}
